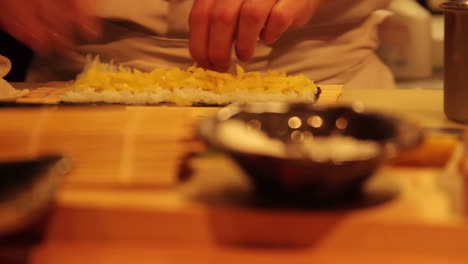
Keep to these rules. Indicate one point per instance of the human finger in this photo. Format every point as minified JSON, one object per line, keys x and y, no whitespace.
{"x":86,"y":22}
{"x":253,"y":16}
{"x":223,"y":25}
{"x":199,"y":20}
{"x":285,"y":14}
{"x":56,"y":17}
{"x":23,"y":24}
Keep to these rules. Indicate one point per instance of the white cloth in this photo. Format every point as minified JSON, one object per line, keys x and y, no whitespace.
{"x":336,"y":47}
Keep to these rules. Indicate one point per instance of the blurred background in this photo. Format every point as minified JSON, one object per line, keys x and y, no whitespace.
{"x":412,"y":45}
{"x":19,"y":54}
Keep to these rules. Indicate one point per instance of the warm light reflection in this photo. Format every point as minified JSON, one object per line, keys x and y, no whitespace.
{"x":295,"y":122}
{"x":315,"y":121}
{"x":255,"y":124}
{"x":297,"y":136}
{"x":358,"y":107}
{"x":308,"y":135}
{"x":341,"y":123}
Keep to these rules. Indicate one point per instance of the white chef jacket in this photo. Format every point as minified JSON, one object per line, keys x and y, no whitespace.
{"x":336,"y":47}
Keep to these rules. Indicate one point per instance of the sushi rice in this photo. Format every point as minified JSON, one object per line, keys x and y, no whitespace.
{"x":110,"y":83}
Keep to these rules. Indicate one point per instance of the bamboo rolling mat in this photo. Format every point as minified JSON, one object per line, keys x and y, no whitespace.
{"x":111,"y":146}
{"x":122,"y":186}
{"x":49,"y":93}
{"x":108,"y":145}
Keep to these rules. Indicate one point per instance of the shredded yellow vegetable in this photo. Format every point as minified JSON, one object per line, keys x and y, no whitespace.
{"x":105,"y":77}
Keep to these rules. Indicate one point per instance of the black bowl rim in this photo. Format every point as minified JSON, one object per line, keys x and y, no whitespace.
{"x":207,"y":126}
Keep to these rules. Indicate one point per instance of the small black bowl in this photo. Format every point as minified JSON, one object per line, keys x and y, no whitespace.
{"x":27,"y":191}
{"x":301,"y":179}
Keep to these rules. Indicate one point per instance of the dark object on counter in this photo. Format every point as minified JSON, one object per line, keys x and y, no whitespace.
{"x":27,"y":192}
{"x":19,"y":54}
{"x":432,"y":5}
{"x":456,"y":60}
{"x":302,"y":179}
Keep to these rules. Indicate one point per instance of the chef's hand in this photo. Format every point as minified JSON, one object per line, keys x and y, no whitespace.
{"x":217,"y":25}
{"x":48,"y":25}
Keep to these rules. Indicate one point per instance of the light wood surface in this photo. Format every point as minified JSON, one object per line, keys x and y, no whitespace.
{"x":167,"y":216}
{"x":122,"y":204}
{"x":448,"y":249}
{"x":423,"y":106}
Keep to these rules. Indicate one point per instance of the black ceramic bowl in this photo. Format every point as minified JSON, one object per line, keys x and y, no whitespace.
{"x":27,"y":191}
{"x":294,"y":178}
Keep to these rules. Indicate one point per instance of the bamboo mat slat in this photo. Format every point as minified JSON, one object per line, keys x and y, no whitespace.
{"x":42,"y":95}
{"x":108,"y":146}
{"x":114,"y":145}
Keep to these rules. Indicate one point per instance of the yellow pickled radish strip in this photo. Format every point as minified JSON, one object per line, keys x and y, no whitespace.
{"x":107,"y":77}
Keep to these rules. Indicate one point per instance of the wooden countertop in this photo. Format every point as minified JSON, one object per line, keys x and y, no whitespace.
{"x":423,"y":106}
{"x":122,"y":202}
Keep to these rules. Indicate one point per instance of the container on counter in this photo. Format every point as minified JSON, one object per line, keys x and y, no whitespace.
{"x":456,"y":60}
{"x":406,"y":40}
